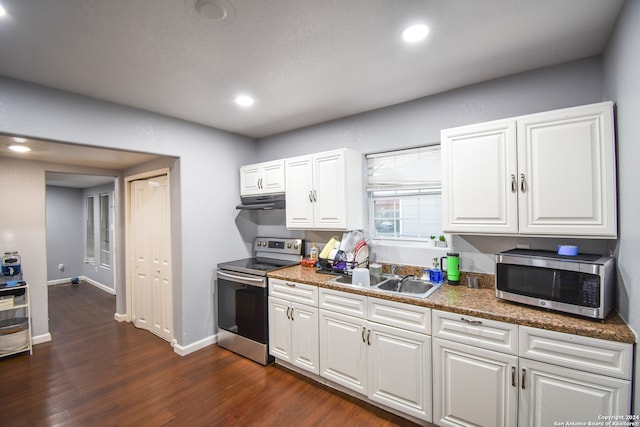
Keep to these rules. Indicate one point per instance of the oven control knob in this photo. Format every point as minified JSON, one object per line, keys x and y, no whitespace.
{"x":288,"y":245}
{"x":264,"y":244}
{"x":295,"y":246}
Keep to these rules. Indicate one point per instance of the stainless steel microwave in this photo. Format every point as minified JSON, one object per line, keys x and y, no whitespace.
{"x":582,"y":284}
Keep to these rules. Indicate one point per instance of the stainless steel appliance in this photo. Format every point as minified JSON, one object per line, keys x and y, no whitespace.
{"x":243,"y":323}
{"x":582,"y":284}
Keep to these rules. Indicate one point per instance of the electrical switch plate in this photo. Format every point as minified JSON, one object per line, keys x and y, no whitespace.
{"x":61,"y":267}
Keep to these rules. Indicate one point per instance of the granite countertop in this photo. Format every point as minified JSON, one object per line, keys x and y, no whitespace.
{"x":480,"y":302}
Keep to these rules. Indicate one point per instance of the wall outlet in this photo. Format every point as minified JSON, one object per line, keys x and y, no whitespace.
{"x":61,"y":267}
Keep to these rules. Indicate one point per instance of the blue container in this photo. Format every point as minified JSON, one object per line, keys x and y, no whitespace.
{"x":11,"y":265}
{"x":436,"y":276}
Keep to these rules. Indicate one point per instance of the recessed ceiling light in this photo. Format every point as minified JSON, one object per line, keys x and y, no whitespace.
{"x":18,"y":139}
{"x":3,"y":11}
{"x":19,"y":148}
{"x":245,"y":100}
{"x":415,"y":33}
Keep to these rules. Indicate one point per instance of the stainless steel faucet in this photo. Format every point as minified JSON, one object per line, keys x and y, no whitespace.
{"x":394,"y":269}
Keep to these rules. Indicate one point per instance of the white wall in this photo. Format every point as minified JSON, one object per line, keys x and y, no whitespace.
{"x":622,"y":85}
{"x":65,"y":244}
{"x":419,"y":122}
{"x":207,"y":194}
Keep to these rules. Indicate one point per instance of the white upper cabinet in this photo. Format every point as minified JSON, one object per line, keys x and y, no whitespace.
{"x":262,"y":178}
{"x":543,"y":174}
{"x":324,"y":191}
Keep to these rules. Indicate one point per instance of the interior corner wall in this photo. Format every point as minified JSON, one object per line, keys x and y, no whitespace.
{"x":419,"y":122}
{"x":65,"y":243}
{"x":208,"y":231}
{"x":622,"y":85}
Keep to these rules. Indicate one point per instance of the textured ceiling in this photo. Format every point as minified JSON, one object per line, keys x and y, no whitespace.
{"x":305,"y":61}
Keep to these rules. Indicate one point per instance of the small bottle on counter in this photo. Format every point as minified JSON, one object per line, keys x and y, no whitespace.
{"x":435,"y":274}
{"x":313,"y":253}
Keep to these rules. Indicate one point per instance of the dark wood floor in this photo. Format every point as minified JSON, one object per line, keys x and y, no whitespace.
{"x":98,"y":372}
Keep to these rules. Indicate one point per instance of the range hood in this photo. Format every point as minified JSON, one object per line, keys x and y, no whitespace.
{"x":270,"y":201}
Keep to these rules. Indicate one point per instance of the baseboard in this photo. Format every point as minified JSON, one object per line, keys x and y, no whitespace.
{"x":58,"y":281}
{"x":85,"y":279}
{"x":39,"y":339}
{"x":98,"y":285}
{"x":187,"y":349}
{"x":121,"y":317}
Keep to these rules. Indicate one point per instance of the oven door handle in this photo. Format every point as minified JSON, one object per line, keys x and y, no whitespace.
{"x":247,"y":280}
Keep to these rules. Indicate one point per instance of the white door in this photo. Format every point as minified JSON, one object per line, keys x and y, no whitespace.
{"x":304,"y":320}
{"x":343,"y":350}
{"x":280,"y":329}
{"x":473,"y":386}
{"x":151,"y":303}
{"x":549,"y":393}
{"x":479,"y":178}
{"x":299,"y":194}
{"x":399,"y":367}
{"x":566,"y":160}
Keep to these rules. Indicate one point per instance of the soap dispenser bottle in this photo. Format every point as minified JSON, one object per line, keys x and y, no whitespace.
{"x":435,"y":274}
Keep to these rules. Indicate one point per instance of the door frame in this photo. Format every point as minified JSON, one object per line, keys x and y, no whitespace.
{"x":129,"y":268}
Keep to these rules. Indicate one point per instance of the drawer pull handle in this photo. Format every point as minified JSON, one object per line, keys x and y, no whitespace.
{"x":513,"y":376}
{"x":471,"y":322}
{"x":291,"y":285}
{"x":524,"y":374}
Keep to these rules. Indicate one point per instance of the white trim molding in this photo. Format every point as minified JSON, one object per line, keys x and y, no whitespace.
{"x":92,"y":282}
{"x":39,"y":339}
{"x":184,"y":350}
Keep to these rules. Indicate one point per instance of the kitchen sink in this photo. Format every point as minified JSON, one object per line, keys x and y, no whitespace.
{"x":409,"y":286}
{"x":346,"y":280}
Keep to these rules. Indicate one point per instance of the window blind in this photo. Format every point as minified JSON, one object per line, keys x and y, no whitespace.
{"x":408,"y":171}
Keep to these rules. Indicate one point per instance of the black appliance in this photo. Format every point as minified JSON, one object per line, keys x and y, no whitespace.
{"x":242,"y":296}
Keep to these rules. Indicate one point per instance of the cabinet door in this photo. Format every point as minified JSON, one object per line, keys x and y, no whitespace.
{"x":249,"y":180}
{"x":399,"y":364}
{"x":329,"y":179}
{"x":550,"y":394}
{"x":567,"y":172}
{"x":299,"y":193}
{"x":304,"y":321}
{"x":343,"y":350}
{"x":280,"y":329}
{"x":473,"y":386}
{"x":478,"y":178}
{"x":273,"y":177}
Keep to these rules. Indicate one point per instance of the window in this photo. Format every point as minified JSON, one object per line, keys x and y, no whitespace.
{"x":404,"y":190}
{"x":89,"y":247}
{"x":105,"y":230}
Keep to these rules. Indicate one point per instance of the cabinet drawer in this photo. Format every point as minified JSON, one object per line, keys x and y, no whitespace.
{"x":405,"y":316}
{"x":595,"y":355}
{"x":483,"y":333}
{"x":293,"y":291}
{"x":343,"y":302}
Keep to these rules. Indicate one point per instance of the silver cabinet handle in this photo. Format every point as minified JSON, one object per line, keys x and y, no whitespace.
{"x":363,"y":331}
{"x":291,"y":285}
{"x":288,"y":308}
{"x":523,"y":186}
{"x":315,"y":196}
{"x":471,"y":322}
{"x":311,"y":196}
{"x":514,"y":184}
{"x":513,"y":376}
{"x":524,"y":374}
{"x":292,"y":319}
{"x":369,"y":337}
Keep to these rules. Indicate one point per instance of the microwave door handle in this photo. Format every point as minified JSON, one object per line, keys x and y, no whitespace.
{"x":553,"y":285}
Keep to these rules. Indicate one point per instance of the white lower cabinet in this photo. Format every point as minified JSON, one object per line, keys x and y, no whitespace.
{"x":389,"y":365}
{"x":293,"y":326}
{"x":473,"y":386}
{"x":488,"y":373}
{"x":565,"y":377}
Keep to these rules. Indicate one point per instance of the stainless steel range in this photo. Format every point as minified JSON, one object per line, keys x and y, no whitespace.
{"x":243,"y":316}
